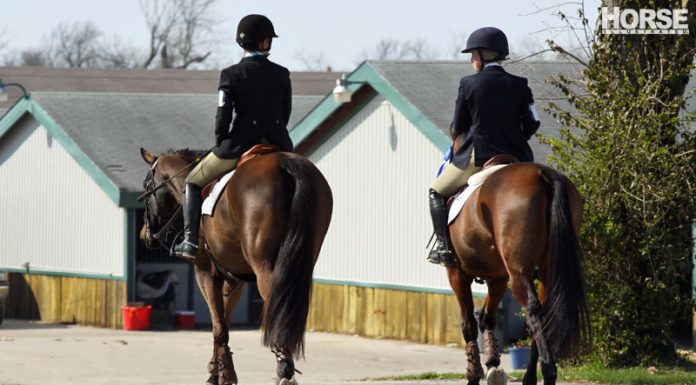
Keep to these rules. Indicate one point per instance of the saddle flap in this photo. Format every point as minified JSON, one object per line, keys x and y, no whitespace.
{"x":257,"y":150}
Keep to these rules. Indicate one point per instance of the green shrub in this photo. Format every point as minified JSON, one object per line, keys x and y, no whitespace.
{"x":633,"y":157}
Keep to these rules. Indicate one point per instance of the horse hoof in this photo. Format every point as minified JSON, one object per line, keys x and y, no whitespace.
{"x":286,"y":381}
{"x":496,"y":376}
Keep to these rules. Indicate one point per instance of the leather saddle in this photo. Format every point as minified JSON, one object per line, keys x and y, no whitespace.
{"x":491,"y":166}
{"x":257,"y":150}
{"x":500,"y":159}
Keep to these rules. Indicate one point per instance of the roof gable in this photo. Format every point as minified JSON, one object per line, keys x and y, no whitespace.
{"x":27,"y":105}
{"x":367,"y":75}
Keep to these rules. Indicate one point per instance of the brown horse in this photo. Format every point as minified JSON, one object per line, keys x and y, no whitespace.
{"x":269,"y":224}
{"x":522,"y":225}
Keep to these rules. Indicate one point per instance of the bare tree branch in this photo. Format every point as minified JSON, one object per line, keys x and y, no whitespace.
{"x":75,"y":45}
{"x":179,"y":31}
{"x":390,"y":49}
{"x":160,"y":17}
{"x":513,"y":61}
{"x":113,"y":53}
{"x":34,"y":57}
{"x":312,"y":61}
{"x":557,"y":48}
{"x":556,"y":6}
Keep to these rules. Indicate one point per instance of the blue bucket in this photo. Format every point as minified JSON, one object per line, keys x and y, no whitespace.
{"x":520,"y":356}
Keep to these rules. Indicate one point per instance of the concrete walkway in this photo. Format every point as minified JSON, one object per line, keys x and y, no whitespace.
{"x":46,"y":354}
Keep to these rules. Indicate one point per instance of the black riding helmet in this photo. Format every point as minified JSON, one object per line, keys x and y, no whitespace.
{"x":252,"y":29}
{"x":490,"y":38}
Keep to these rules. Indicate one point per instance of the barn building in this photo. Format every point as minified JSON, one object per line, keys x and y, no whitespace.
{"x":70,"y":216}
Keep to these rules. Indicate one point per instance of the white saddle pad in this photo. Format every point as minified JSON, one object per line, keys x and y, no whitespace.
{"x":209,"y":202}
{"x":474,"y":182}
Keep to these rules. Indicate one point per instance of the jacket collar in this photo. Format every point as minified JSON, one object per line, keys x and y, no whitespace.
{"x":493,"y":67}
{"x":255,"y":58}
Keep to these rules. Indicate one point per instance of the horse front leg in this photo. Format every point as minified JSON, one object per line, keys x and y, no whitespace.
{"x":487,"y":324}
{"x":461,"y":285}
{"x":220,"y":367}
{"x":487,"y":321}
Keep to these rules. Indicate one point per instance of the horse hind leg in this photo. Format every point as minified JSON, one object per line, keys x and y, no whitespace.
{"x":524,"y":288}
{"x":530,"y":376}
{"x":286,"y":367}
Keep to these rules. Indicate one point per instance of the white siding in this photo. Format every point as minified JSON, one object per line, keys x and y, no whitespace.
{"x":380,"y":167}
{"x":52,"y":214}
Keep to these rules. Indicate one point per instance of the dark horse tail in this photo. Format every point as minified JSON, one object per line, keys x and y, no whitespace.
{"x":286,"y":309}
{"x":566,"y":322}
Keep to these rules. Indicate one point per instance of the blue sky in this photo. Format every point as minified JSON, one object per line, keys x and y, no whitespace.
{"x":333,"y":33}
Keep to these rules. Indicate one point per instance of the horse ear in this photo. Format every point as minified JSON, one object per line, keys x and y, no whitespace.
{"x":149,"y":158}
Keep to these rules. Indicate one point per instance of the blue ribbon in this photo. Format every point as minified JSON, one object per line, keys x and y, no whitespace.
{"x":445,"y":160}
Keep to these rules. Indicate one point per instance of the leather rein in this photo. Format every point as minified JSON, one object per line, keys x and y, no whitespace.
{"x":161,"y":235}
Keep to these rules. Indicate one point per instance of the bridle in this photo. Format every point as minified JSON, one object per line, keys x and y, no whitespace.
{"x":150,"y":189}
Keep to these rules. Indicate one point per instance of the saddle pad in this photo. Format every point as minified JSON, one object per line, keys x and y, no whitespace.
{"x":209,"y":203}
{"x":475,"y":181}
{"x":459,"y":200}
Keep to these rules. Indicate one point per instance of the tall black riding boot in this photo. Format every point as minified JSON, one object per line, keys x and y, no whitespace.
{"x":441,"y":253}
{"x":192,"y":219}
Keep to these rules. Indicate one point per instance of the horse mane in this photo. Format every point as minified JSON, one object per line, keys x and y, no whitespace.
{"x":185,"y":153}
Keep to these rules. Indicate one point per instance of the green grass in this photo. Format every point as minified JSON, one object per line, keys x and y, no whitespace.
{"x":629,"y":376}
{"x":586,"y":373}
{"x":423,"y":376}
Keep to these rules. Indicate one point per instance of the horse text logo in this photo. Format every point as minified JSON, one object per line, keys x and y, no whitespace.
{"x":644,"y":21}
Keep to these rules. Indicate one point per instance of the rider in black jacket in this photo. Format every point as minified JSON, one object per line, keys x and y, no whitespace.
{"x":255,"y":96}
{"x":494,"y":114}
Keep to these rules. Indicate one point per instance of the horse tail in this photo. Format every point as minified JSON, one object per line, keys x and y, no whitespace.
{"x":285,"y":314}
{"x":565,"y":321}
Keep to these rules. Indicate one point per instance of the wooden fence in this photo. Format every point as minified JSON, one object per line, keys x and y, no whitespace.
{"x":72,"y":300}
{"x":384,"y":313}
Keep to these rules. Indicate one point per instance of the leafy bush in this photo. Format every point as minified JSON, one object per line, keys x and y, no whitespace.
{"x":629,"y":149}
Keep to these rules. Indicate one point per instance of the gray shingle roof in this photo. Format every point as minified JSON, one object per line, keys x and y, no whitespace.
{"x":432,"y":88}
{"x":110,"y":128}
{"x":36,"y":79}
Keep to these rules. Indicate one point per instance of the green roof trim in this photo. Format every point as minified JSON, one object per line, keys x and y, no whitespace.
{"x":29,"y":105}
{"x":366,"y":73}
{"x":69,"y":274}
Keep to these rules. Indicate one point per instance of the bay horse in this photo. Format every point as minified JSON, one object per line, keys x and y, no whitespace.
{"x":522,"y":225}
{"x":268,"y":226}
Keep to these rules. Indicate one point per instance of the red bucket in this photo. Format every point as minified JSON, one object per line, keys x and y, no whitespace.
{"x":136,"y":317}
{"x":184,"y":319}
